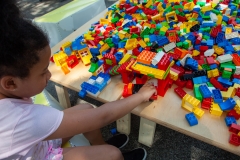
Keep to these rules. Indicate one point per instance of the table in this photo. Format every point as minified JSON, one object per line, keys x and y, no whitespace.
{"x":165,"y":111}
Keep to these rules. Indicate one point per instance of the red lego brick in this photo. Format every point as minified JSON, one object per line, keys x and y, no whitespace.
{"x":180,"y":92}
{"x":163,"y":86}
{"x":236,"y":76}
{"x":180,"y":83}
{"x":141,"y":79}
{"x":234,"y":128}
{"x":234,"y":139}
{"x":210,"y":60}
{"x":206,"y":103}
{"x":236,"y":59}
{"x":72,"y":61}
{"x":179,"y":69}
{"x":189,"y":84}
{"x":234,"y":114}
{"x":164,"y":62}
{"x":238,"y":92}
{"x":203,"y":48}
{"x":135,"y":51}
{"x":216,"y":84}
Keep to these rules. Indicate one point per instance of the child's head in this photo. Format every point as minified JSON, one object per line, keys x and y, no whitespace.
{"x":24,"y":54}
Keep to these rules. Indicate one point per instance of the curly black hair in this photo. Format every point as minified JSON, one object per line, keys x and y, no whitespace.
{"x":20,"y":41}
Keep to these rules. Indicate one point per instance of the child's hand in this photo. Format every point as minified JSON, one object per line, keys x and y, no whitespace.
{"x":147,"y":91}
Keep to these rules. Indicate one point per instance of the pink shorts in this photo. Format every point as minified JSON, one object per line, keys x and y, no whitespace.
{"x":55,"y":150}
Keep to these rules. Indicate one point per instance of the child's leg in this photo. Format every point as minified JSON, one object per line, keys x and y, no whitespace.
{"x":94,"y":137}
{"x":105,"y":152}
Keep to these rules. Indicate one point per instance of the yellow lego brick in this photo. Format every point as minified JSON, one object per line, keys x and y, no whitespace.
{"x":60,"y":58}
{"x":130,"y":64}
{"x":213,"y":73}
{"x":159,"y":7}
{"x":237,"y":107}
{"x":156,"y":17}
{"x":173,"y":75}
{"x":104,"y":48}
{"x":121,"y":36}
{"x":147,"y":25}
{"x":219,"y":21}
{"x":101,"y":43}
{"x":206,"y":8}
{"x":88,"y":37}
{"x":189,"y":102}
{"x":149,"y":3}
{"x":65,"y":69}
{"x":125,"y":58}
{"x":215,"y":109}
{"x":66,"y":44}
{"x":189,"y":6}
{"x":171,"y":17}
{"x":195,"y":53}
{"x":236,"y":85}
{"x":85,"y":55}
{"x":104,"y":21}
{"x":142,"y":43}
{"x":228,"y":30}
{"x":195,"y":15}
{"x":229,"y":93}
{"x":200,"y":67}
{"x":198,"y":112}
{"x":164,"y":29}
{"x":131,"y":44}
{"x":137,"y":16}
{"x":149,"y":70}
{"x":219,"y":50}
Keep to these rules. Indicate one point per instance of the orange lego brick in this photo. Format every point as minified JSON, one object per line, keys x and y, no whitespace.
{"x":146,"y":57}
{"x":236,"y":59}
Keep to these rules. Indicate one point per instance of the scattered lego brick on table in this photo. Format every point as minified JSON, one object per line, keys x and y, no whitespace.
{"x":194,"y":44}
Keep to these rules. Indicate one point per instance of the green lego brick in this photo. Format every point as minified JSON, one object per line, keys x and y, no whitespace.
{"x":185,"y":45}
{"x":115,"y":20}
{"x":134,"y":35}
{"x":93,"y":68}
{"x":197,"y":92}
{"x":150,"y":75}
{"x":226,"y":74}
{"x":206,"y":67}
{"x":149,"y":44}
{"x":179,"y":44}
{"x":109,"y":62}
{"x":227,"y":65}
{"x":152,"y":30}
{"x":209,"y":84}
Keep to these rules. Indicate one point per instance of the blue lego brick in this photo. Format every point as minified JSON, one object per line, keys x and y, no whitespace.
{"x":210,"y":42}
{"x":127,"y":16}
{"x":236,"y":80}
{"x":225,"y":81}
{"x":119,"y":56}
{"x":88,"y":87}
{"x":222,"y":44}
{"x":115,"y":39}
{"x":68,"y":51}
{"x":228,"y":104}
{"x":191,"y":38}
{"x":220,"y":37}
{"x":199,"y":80}
{"x":213,"y":66}
{"x":235,"y":41}
{"x":153,"y":38}
{"x":191,"y":118}
{"x":105,"y":76}
{"x":178,"y":63}
{"x":225,"y":18}
{"x":205,"y":92}
{"x":101,"y":86}
{"x":162,"y":40}
{"x":121,"y":44}
{"x":94,"y":51}
{"x":207,"y":24}
{"x":229,"y":120}
{"x":82,"y":93}
{"x":191,"y":63}
{"x":238,"y":12}
{"x":100,"y":62}
{"x":217,"y":96}
{"x":229,"y":48}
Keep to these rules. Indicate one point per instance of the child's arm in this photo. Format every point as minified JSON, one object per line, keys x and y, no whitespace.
{"x":81,"y":121}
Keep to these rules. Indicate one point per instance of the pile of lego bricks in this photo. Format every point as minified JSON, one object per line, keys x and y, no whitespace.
{"x":193,"y":44}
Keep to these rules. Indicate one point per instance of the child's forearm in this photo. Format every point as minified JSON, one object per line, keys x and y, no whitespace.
{"x":117,"y":109}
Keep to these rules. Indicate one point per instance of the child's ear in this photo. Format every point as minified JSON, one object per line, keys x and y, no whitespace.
{"x":8,"y":83}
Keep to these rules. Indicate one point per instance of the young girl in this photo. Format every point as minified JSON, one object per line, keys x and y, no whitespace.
{"x":29,"y":131}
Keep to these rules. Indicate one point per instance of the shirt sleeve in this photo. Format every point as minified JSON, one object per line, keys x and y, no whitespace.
{"x":36,"y":123}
